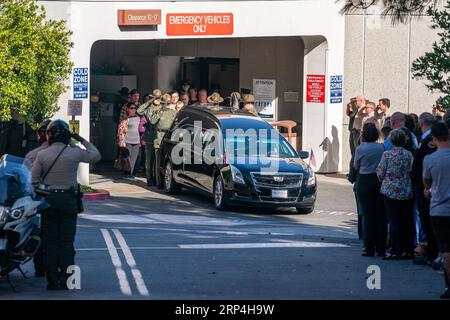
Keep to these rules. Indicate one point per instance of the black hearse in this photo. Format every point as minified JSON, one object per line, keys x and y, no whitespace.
{"x":235,"y":157}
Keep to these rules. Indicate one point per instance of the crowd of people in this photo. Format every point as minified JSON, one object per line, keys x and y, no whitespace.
{"x":400,"y":168}
{"x":141,"y":126}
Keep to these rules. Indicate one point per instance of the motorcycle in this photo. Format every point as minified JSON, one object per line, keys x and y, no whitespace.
{"x":19,"y":216}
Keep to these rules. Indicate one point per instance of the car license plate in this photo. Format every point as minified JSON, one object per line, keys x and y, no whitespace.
{"x":282,"y":194}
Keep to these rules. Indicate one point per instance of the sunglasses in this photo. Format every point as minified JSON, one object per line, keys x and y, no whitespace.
{"x":132,"y":108}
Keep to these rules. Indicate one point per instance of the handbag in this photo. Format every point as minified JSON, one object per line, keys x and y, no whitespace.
{"x":122,"y":163}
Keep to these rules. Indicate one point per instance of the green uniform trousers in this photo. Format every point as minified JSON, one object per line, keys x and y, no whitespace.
{"x":150,"y":162}
{"x":159,"y":180}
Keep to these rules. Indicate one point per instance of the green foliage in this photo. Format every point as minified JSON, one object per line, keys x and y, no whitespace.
{"x":87,"y":189}
{"x":435,"y":65}
{"x":399,"y":11}
{"x":34,"y":61}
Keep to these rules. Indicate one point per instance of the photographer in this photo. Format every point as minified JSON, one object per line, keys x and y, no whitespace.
{"x":55,"y":171}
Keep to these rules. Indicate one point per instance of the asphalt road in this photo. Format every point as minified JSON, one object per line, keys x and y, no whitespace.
{"x":144,"y":244}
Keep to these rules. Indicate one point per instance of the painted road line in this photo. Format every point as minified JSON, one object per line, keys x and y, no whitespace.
{"x":239,"y":233}
{"x":294,"y":244}
{"x":121,"y":275}
{"x":142,"y":288}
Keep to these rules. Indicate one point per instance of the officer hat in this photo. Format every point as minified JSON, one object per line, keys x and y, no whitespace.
{"x":215,"y":98}
{"x":43,"y":126}
{"x":165,"y":99}
{"x":249,"y":98}
{"x":156,"y":94}
{"x":58,"y":131}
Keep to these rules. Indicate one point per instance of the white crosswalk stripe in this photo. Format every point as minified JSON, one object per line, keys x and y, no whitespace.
{"x":334,"y":213}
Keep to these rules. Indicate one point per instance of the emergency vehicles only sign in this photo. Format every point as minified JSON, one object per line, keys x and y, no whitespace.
{"x":80,"y":83}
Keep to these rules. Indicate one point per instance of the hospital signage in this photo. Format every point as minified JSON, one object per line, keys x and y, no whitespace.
{"x":336,"y":89}
{"x":199,"y":24}
{"x":80,"y":83}
{"x":315,"y":88}
{"x":138,"y":17}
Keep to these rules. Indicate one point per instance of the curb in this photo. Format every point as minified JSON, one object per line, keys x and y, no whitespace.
{"x":97,"y":196}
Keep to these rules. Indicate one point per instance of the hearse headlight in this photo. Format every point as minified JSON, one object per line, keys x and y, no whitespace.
{"x":237,"y":175}
{"x":17,"y":213}
{"x":311,"y":177}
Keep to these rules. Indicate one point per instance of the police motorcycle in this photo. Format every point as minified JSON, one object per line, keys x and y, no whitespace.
{"x":19,"y":218}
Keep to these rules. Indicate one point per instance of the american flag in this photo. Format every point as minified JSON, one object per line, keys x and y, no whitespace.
{"x":312,"y":159}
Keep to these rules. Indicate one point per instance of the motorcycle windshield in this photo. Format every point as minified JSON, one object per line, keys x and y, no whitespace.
{"x":15,"y":179}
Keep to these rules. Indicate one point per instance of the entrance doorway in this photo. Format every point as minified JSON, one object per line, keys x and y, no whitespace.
{"x":224,"y":65}
{"x":213,"y":74}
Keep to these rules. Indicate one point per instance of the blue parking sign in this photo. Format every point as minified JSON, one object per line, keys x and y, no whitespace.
{"x":336,"y":89}
{"x":80,"y":83}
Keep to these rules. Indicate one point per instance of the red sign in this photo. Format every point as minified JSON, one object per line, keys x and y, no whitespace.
{"x":199,"y":24}
{"x":138,"y":17}
{"x":315,"y":88}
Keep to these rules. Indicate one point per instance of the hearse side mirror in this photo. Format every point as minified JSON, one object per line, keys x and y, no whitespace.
{"x":303,"y":154}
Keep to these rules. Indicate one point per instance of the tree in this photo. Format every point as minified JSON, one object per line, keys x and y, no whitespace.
{"x":34,"y":61}
{"x":398,"y":10}
{"x":435,"y":65}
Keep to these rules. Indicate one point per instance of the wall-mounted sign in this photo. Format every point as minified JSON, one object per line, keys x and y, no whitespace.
{"x":315,"y":88}
{"x":264,"y":91}
{"x":80,"y":83}
{"x":291,"y":96}
{"x":74,"y":107}
{"x":336,"y":89}
{"x":138,"y":17}
{"x":199,"y":24}
{"x":74,"y":126}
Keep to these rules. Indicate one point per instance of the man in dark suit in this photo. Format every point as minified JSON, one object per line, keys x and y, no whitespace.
{"x":426,"y":121}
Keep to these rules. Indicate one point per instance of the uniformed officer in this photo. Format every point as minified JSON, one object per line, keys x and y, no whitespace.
{"x":95,"y":118}
{"x":12,"y":133}
{"x":39,"y":257}
{"x":147,"y":109}
{"x":249,"y":104}
{"x":55,"y":170}
{"x":42,"y":141}
{"x":162,"y":120}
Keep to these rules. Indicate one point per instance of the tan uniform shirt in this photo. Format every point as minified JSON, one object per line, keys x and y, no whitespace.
{"x":357,"y":124}
{"x":31,"y":156}
{"x":63,"y":175}
{"x":370,"y":117}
